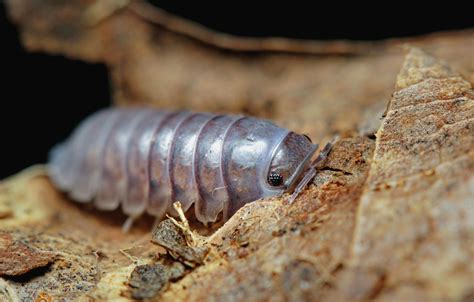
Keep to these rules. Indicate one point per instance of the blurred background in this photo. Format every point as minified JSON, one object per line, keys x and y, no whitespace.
{"x":45,"y":96}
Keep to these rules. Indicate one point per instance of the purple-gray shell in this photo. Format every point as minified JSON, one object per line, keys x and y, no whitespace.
{"x":144,"y":160}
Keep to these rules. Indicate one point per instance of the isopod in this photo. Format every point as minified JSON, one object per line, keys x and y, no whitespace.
{"x":144,"y":160}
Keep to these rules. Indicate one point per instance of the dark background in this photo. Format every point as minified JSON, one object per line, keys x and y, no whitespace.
{"x":43,"y":97}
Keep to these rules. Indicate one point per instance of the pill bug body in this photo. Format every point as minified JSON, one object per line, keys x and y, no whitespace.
{"x":144,"y":160}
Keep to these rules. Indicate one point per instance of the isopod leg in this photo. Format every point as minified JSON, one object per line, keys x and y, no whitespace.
{"x":311,"y":172}
{"x":127,"y":225}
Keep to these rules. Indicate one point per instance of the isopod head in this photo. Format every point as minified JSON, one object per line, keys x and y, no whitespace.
{"x":263,"y":160}
{"x":289,"y":160}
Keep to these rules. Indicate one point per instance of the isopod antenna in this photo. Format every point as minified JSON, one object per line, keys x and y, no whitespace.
{"x":312,"y":170}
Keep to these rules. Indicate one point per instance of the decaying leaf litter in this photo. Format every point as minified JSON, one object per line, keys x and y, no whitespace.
{"x":393,"y":199}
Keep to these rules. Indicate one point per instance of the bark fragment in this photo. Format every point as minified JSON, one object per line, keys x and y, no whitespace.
{"x":148,"y":280}
{"x":18,"y":258}
{"x":171,"y":237}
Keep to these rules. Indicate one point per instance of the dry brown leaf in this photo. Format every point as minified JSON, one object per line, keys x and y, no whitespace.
{"x":415,"y":220}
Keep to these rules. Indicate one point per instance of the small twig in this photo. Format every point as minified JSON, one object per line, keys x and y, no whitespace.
{"x":8,"y":291}
{"x":191,"y":238}
{"x":130,"y":257}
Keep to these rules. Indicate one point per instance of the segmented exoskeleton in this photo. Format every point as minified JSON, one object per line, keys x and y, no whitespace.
{"x":144,"y":160}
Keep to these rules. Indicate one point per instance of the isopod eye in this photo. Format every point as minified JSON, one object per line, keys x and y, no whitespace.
{"x":308,"y":138}
{"x":275,"y":179}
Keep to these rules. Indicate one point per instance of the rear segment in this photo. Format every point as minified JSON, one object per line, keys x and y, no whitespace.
{"x":79,"y":156}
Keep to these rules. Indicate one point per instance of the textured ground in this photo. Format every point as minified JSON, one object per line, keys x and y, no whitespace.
{"x":390,"y":216}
